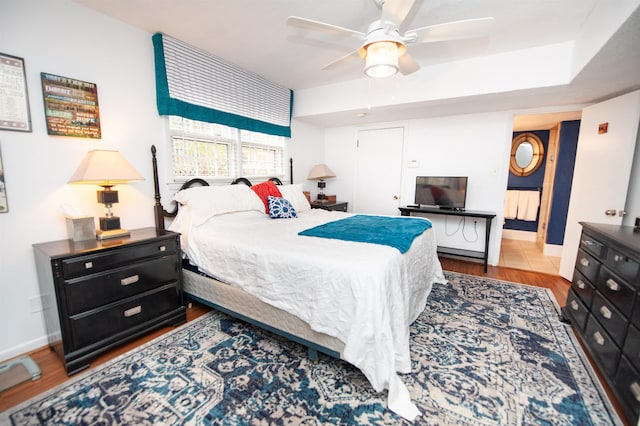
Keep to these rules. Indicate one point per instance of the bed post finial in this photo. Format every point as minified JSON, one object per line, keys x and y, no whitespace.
{"x":157,"y":207}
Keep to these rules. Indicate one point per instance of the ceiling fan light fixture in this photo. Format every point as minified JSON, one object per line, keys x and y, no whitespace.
{"x":381,"y":59}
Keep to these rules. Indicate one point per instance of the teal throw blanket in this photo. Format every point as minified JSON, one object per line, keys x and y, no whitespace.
{"x":398,"y":232}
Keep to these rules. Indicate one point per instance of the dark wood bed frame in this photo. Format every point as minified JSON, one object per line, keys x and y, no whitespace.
{"x":160,"y":215}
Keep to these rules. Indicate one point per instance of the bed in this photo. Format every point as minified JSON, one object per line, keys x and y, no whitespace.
{"x":242,"y":262}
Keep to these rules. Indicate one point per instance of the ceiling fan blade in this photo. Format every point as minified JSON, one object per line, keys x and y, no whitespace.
{"x":407,"y":64}
{"x":468,"y":28}
{"x":396,"y":11}
{"x":309,"y":24}
{"x":340,"y":61}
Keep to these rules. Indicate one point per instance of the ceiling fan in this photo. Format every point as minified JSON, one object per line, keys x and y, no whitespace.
{"x":384,"y":49}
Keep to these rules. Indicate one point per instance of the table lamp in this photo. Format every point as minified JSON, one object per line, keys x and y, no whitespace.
{"x":106,"y":169}
{"x":320,"y":172}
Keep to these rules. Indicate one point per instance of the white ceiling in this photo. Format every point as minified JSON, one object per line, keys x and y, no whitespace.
{"x":253,"y":34}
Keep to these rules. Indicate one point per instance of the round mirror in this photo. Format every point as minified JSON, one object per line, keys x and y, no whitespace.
{"x":527,"y":153}
{"x":524,"y":154}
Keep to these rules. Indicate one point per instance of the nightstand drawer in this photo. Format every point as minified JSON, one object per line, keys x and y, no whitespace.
{"x":97,"y":262}
{"x":106,"y":323}
{"x":100,"y":289}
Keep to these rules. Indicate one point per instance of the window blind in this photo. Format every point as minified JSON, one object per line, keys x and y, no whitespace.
{"x":193,"y":84}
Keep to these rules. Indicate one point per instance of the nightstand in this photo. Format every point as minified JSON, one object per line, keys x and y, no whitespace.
{"x":340,"y":206}
{"x":100,"y":294}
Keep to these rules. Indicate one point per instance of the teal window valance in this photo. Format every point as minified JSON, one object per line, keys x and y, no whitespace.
{"x":193,"y":84}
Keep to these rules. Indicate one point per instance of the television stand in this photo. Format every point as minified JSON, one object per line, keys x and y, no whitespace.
{"x":472,"y":254}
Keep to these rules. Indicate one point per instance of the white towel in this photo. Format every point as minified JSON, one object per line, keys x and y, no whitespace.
{"x":528,"y":203}
{"x":511,"y":204}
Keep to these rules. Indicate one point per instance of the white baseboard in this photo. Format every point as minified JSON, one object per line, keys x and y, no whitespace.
{"x":23,"y":349}
{"x":514,"y":234}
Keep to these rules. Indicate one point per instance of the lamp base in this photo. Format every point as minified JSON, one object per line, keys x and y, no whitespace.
{"x":112,"y":233}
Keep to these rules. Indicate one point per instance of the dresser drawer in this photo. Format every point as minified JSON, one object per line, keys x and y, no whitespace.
{"x":627,"y":382}
{"x":582,"y":287}
{"x":635,"y":315}
{"x":587,"y":265}
{"x":112,"y":319}
{"x":623,"y":266}
{"x":610,"y":318}
{"x":576,"y":311}
{"x":616,"y":290}
{"x":602,"y":346}
{"x":632,"y":346}
{"x":593,"y":246}
{"x":100,"y":289}
{"x":81,"y":265}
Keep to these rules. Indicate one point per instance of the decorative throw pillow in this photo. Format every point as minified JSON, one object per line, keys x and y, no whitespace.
{"x":296,"y":197}
{"x":280,"y":208}
{"x":264,"y":190}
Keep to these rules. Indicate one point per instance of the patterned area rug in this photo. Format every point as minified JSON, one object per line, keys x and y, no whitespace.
{"x":484,"y":352}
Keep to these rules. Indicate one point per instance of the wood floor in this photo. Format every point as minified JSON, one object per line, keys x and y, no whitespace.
{"x":53,"y":374}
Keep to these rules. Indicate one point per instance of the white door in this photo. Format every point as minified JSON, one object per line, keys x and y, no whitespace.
{"x":602,"y":169}
{"x":378,"y":171}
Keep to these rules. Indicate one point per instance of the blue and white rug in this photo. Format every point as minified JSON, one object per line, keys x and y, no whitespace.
{"x":484,"y":352}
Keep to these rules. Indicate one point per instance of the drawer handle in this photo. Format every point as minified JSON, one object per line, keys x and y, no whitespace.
{"x":130,"y":280}
{"x":133,"y":311}
{"x":618,"y":258}
{"x":605,"y":312}
{"x":635,"y":390}
{"x":574,"y":305}
{"x":614,"y":286}
{"x":581,"y":284}
{"x":88,"y":265}
{"x":598,"y":337}
{"x":584,"y":262}
{"x":162,"y":248}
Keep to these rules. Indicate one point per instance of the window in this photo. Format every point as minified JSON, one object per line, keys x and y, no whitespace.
{"x":214,"y":151}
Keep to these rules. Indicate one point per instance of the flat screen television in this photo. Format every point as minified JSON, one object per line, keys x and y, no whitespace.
{"x":446,"y":192}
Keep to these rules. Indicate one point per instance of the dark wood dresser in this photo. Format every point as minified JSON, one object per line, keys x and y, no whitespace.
{"x":603,"y":305}
{"x":99,"y":294}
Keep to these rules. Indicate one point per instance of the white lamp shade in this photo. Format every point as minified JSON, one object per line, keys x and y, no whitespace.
{"x":382,"y":59}
{"x":105,"y":168}
{"x":320,"y":171}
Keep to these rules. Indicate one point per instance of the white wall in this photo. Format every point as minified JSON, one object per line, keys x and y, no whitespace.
{"x":476,"y":145}
{"x":307,"y":149}
{"x":69,"y":40}
{"x":66,"y":39}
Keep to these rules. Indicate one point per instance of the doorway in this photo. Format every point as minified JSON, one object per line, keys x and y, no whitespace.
{"x":378,"y":173}
{"x":529,"y":249}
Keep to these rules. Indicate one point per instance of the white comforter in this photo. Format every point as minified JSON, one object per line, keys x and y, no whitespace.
{"x":366,"y":295}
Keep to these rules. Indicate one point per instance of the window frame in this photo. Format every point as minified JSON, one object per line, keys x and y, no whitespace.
{"x":235,"y":146}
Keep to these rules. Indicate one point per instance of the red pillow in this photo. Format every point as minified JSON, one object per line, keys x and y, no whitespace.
{"x":265,"y":189}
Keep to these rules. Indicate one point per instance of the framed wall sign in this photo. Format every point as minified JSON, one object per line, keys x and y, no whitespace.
{"x":70,"y":106}
{"x":14,"y":99}
{"x":4,"y":204}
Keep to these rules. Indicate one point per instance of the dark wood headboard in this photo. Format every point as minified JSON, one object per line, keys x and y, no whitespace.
{"x":160,"y":213}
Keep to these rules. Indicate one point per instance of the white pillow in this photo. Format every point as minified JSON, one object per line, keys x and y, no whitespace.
{"x":293,"y":193}
{"x":208,"y":201}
